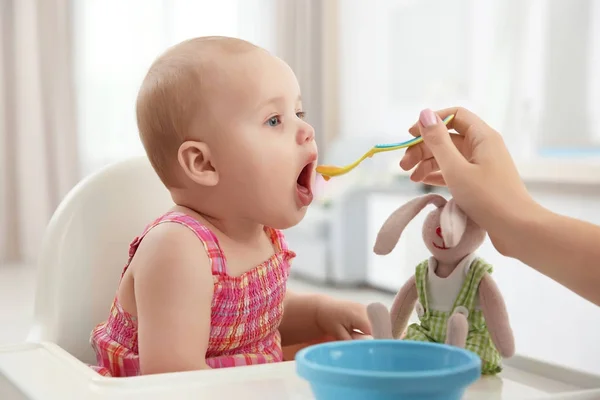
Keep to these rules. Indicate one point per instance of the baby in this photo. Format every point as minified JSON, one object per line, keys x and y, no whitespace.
{"x":205,"y":284}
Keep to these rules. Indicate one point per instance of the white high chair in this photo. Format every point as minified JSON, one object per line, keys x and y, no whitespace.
{"x":85,"y":249}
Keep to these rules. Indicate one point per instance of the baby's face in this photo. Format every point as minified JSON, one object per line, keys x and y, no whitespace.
{"x":264,"y":151}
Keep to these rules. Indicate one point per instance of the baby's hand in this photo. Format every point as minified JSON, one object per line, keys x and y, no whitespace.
{"x":340,"y":319}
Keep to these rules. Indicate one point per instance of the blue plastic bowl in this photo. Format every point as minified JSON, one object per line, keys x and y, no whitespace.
{"x":387,"y":369}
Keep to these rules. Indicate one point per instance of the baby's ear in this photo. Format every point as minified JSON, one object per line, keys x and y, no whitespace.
{"x":195,"y":160}
{"x":453,"y":222}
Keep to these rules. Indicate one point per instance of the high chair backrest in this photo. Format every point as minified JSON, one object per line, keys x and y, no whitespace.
{"x":86,"y":247}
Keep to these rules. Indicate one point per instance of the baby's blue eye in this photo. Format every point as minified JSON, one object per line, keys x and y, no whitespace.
{"x":273,"y":121}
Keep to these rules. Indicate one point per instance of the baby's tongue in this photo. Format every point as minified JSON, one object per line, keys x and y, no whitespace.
{"x":303,"y":189}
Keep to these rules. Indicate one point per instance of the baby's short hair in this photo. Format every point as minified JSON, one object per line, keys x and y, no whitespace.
{"x":170,"y":99}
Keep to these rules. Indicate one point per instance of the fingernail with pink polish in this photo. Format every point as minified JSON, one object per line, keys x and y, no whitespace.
{"x":427,"y":118}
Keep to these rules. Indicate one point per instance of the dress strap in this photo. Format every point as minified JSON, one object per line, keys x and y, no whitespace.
{"x":278,"y":240}
{"x":421,"y":282}
{"x":468,"y":292}
{"x":205,"y":235}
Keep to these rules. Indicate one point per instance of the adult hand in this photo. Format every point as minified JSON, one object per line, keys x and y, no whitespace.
{"x":476,"y":167}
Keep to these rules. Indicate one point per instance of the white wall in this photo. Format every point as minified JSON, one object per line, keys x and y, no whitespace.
{"x":549,"y":321}
{"x":504,"y":59}
{"x":110,"y":64}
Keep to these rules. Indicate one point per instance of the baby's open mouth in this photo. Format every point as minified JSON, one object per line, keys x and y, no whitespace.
{"x":304,"y":179}
{"x":303,"y":184}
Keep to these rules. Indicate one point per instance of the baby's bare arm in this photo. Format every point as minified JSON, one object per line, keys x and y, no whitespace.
{"x":173,"y":292}
{"x":299,"y":324}
{"x":310,"y":317}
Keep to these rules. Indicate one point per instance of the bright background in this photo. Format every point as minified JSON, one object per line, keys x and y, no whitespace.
{"x":70,"y":71}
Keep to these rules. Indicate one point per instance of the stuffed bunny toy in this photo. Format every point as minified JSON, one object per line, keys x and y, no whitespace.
{"x":455,"y":298}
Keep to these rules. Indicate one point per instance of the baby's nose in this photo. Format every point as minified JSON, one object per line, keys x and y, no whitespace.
{"x":306,"y":133}
{"x":438,"y":231}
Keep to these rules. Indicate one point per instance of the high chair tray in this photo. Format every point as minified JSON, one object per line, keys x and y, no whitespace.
{"x":45,"y":371}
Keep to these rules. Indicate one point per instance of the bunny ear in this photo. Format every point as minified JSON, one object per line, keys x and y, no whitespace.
{"x":390,"y":232}
{"x":453,"y":222}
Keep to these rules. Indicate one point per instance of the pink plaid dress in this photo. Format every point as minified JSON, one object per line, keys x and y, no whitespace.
{"x":245,"y":313}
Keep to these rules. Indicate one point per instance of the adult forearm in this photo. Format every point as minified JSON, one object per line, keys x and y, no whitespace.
{"x":565,"y":249}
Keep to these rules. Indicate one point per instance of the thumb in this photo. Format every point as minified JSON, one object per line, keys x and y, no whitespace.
{"x":437,"y":138}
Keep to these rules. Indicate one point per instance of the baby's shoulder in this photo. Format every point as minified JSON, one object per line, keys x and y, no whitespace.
{"x":170,"y":235}
{"x":169,"y":246}
{"x":171,"y":272}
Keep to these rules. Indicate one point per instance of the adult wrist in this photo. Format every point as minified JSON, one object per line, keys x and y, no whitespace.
{"x":521,"y":226}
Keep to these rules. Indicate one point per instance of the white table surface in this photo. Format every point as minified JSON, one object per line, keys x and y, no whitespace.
{"x":45,"y":371}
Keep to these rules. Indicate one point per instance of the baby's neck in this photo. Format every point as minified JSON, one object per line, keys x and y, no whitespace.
{"x":236,"y":230}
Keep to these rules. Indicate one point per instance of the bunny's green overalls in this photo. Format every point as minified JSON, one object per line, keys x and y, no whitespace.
{"x":433,"y":323}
